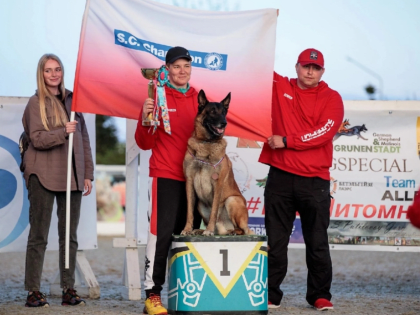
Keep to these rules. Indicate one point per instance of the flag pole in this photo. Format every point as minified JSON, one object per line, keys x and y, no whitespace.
{"x":69,"y":159}
{"x":68,"y":194}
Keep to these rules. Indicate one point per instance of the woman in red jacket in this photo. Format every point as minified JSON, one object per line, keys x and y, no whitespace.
{"x":167,"y":211}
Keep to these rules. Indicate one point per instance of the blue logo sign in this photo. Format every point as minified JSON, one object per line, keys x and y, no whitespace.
{"x":212,"y":61}
{"x":8,"y":190}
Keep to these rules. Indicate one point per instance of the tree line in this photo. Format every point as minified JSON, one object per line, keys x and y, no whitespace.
{"x":109,"y":150}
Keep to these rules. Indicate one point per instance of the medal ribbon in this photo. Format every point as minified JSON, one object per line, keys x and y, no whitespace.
{"x":162,"y":79}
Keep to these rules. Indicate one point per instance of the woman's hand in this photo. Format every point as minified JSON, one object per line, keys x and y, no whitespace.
{"x":148,"y":106}
{"x":88,"y":187}
{"x":71,"y":126}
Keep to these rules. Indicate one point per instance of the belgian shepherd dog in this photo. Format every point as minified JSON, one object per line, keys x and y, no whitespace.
{"x":209,"y":176}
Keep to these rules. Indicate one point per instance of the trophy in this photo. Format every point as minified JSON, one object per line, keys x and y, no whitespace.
{"x":150,"y":74}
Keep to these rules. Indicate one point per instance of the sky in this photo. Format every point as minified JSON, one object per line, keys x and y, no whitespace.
{"x":364,"y":42}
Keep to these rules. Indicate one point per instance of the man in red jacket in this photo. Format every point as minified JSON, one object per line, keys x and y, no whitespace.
{"x":306,"y":115}
{"x":168,"y":201}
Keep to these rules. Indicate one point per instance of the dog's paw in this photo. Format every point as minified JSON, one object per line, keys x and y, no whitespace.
{"x":197,"y":232}
{"x":250,"y":232}
{"x":208,"y":233}
{"x":186,"y":232}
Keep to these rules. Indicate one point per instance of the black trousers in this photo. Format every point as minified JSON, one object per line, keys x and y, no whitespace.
{"x":286,"y":193}
{"x":167,"y":216}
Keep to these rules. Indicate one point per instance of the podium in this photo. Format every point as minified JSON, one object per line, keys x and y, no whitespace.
{"x":218,"y":275}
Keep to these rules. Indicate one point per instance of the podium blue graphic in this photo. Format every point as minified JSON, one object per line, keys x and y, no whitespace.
{"x":218,"y":275}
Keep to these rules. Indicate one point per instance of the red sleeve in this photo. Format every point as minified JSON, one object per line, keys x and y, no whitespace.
{"x":276,"y":76}
{"x":144,"y":137}
{"x":413,"y":212}
{"x":328,"y":124}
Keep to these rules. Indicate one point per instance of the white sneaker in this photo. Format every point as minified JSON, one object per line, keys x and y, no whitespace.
{"x":271,"y":305}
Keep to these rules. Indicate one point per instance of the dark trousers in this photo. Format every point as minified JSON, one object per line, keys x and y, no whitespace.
{"x":169,"y":215}
{"x":41,"y":203}
{"x":286,"y":193}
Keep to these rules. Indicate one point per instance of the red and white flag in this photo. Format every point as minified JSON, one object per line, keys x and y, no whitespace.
{"x":232,"y":52}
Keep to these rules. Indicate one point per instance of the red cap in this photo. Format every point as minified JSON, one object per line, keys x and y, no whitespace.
{"x":311,"y":55}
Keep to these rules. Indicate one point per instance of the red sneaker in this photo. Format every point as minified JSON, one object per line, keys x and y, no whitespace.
{"x":271,"y":305}
{"x":323,"y":305}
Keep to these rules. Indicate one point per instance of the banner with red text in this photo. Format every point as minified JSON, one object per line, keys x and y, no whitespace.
{"x":231,"y":51}
{"x":374,"y":176}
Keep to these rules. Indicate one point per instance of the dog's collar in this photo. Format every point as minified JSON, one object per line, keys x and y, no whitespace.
{"x":207,"y":163}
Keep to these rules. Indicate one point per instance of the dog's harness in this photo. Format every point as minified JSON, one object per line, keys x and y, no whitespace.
{"x":207,"y":163}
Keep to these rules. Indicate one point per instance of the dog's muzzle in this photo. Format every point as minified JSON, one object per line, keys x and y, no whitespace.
{"x":217,"y":130}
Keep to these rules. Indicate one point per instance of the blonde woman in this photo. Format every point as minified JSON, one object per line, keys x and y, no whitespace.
{"x":46,"y":123}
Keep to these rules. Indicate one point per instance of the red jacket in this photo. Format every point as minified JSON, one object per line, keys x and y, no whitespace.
{"x":168,"y":151}
{"x":413,"y":212}
{"x":309,"y":119}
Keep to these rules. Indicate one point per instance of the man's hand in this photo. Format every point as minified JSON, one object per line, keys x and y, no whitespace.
{"x":88,"y":187}
{"x":148,"y":106}
{"x":275,"y":142}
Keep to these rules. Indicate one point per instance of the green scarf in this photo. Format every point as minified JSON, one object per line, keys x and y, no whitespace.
{"x":183,"y":91}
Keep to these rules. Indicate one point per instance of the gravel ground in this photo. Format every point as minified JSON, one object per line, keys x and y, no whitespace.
{"x":363,"y":283}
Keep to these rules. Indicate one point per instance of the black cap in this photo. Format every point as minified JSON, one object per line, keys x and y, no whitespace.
{"x":176,"y":53}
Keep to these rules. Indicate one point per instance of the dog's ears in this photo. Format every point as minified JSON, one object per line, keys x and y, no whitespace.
{"x":226,"y":101}
{"x":202,"y":100}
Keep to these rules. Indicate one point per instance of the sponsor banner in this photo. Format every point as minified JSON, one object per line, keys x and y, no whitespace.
{"x":375,"y":174}
{"x":257,"y":225}
{"x":119,"y":38}
{"x":14,"y":204}
{"x":373,"y":233}
{"x":376,"y":168}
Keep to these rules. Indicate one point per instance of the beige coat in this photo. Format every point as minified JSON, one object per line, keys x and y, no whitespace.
{"x":46,"y":156}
